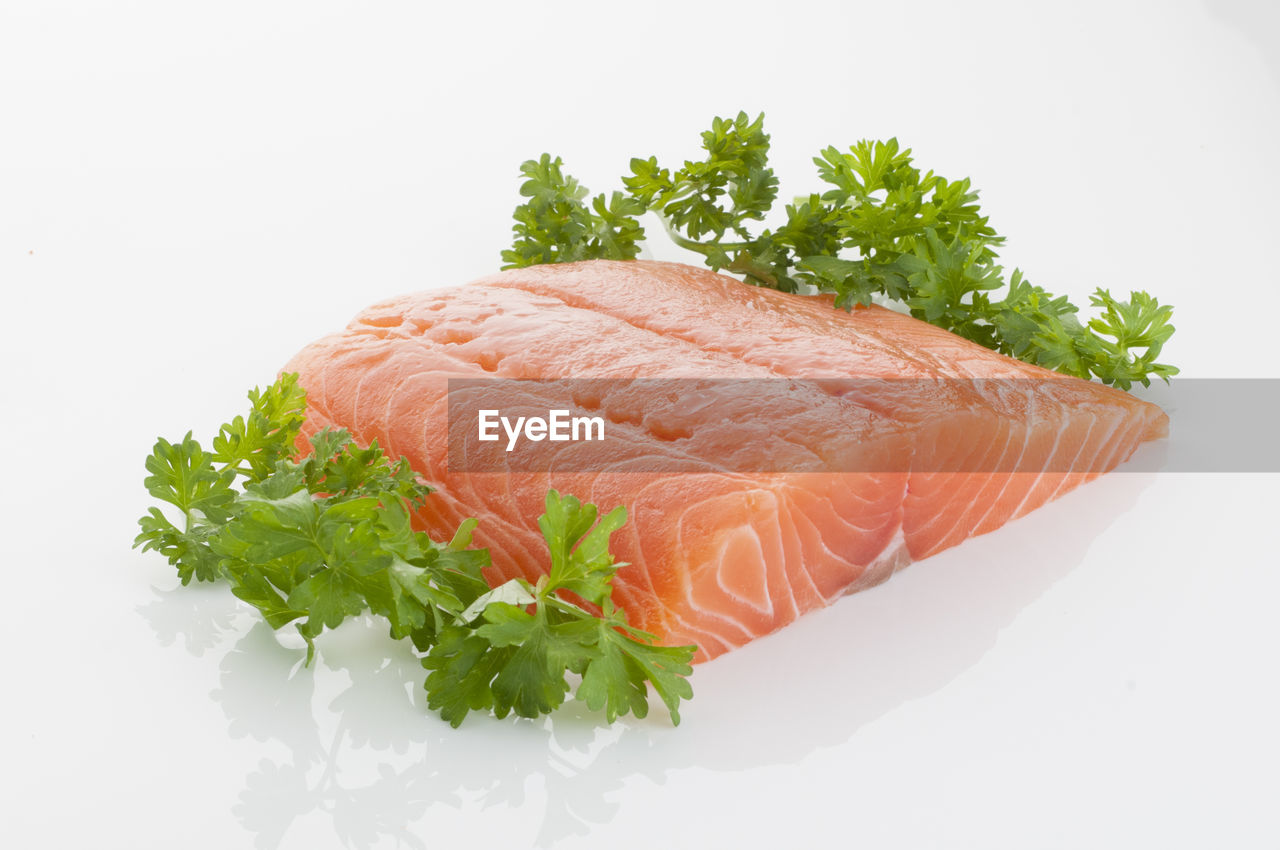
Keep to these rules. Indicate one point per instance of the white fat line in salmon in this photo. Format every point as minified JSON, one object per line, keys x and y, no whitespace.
{"x":558,"y":427}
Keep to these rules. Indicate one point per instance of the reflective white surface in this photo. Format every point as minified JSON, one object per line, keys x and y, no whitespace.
{"x":186,"y":198}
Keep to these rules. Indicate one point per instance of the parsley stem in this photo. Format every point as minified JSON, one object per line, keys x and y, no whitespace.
{"x":703,"y":249}
{"x":742,"y":263}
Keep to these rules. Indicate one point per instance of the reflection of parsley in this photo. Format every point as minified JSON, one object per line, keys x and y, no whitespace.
{"x":316,"y":540}
{"x":883,"y":229}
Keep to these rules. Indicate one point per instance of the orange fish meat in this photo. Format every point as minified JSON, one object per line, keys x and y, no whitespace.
{"x":759,"y":492}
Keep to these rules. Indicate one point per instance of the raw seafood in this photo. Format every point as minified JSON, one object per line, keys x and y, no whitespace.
{"x":719,"y":553}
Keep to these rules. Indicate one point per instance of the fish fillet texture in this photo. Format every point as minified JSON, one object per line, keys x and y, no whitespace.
{"x":717,"y":557}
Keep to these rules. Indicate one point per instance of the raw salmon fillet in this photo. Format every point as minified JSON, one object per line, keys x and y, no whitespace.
{"x":718,"y":556}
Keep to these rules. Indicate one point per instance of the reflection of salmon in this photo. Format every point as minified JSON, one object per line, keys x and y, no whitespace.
{"x":717,"y":556}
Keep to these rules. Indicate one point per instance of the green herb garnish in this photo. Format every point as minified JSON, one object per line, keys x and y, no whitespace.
{"x":314,"y":540}
{"x":881,"y":230}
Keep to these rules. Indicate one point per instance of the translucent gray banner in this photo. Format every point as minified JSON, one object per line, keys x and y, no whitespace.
{"x":779,"y":425}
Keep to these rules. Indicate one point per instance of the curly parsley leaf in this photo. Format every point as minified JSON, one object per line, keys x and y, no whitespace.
{"x":718,"y":195}
{"x":463,"y":666}
{"x":580,"y":558}
{"x":615,"y":678}
{"x":556,"y":225}
{"x":187,"y":550}
{"x":251,"y":445}
{"x":183,"y":474}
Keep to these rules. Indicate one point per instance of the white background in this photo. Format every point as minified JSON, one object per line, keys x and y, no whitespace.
{"x":189,"y":193}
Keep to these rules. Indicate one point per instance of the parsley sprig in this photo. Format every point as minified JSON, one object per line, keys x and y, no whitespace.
{"x":316,"y":539}
{"x":531,"y":636}
{"x":556,"y":225}
{"x":883,"y":229}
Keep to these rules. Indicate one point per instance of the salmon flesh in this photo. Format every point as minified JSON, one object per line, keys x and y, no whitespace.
{"x":773,"y":453}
